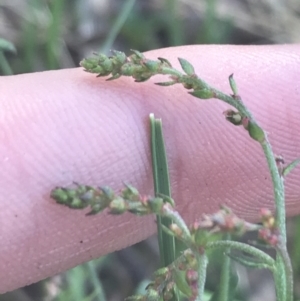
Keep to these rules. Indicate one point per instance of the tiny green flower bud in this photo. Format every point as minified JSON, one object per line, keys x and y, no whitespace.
{"x":127,"y":69}
{"x":120,"y":57}
{"x":99,"y":70}
{"x":233,"y":117}
{"x":156,"y":204}
{"x":176,"y":230}
{"x":87,"y":196}
{"x":138,"y":209}
{"x":255,"y":131}
{"x":161,"y":273}
{"x":203,"y":93}
{"x":130,"y":193}
{"x":152,"y":295}
{"x":59,"y":195}
{"x":141,"y":77}
{"x":89,"y":63}
{"x":108,"y":192}
{"x":102,"y":73}
{"x":190,"y":259}
{"x":107,"y":65}
{"x":115,"y":75}
{"x":101,"y":57}
{"x":187,"y":86}
{"x":201,"y":237}
{"x":117,"y":206}
{"x":152,"y":66}
{"x":77,"y":203}
{"x":96,"y":208}
{"x":136,"y":57}
{"x":93,"y":65}
{"x":186,"y":66}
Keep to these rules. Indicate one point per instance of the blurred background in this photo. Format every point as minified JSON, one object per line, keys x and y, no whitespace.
{"x":53,"y":34}
{"x":38,"y":35}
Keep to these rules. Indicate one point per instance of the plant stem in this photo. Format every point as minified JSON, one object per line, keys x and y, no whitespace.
{"x":285,"y":263}
{"x":4,"y":65}
{"x":238,"y":104}
{"x":53,"y":47}
{"x":225,"y":275}
{"x":174,"y":23}
{"x":202,"y":269}
{"x":176,"y":217}
{"x":283,"y":274}
{"x":142,"y":69}
{"x":118,"y":24}
{"x":96,"y":281}
{"x":224,"y":244}
{"x":278,"y":188}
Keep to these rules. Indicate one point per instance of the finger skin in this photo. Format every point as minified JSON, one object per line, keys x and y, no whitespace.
{"x":57,"y":127}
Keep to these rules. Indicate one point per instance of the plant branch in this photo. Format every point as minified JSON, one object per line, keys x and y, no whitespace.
{"x":226,"y":244}
{"x":273,"y":230}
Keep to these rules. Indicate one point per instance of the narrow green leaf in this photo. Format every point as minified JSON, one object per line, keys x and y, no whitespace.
{"x":250,"y":262}
{"x":180,"y":280}
{"x":142,"y":79}
{"x":138,"y":54}
{"x":202,"y":237}
{"x":165,"y":61}
{"x":4,"y":63}
{"x":233,"y":85}
{"x":161,"y":186}
{"x":167,"y":230}
{"x":186,"y":66}
{"x":290,"y":167}
{"x":98,"y":287}
{"x":116,"y":27}
{"x":115,"y":76}
{"x":233,"y":281}
{"x":260,"y":255}
{"x":7,"y":46}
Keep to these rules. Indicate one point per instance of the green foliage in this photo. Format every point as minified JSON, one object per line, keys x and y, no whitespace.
{"x":286,"y":170}
{"x":76,"y":282}
{"x":6,"y":46}
{"x":52,"y":33}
